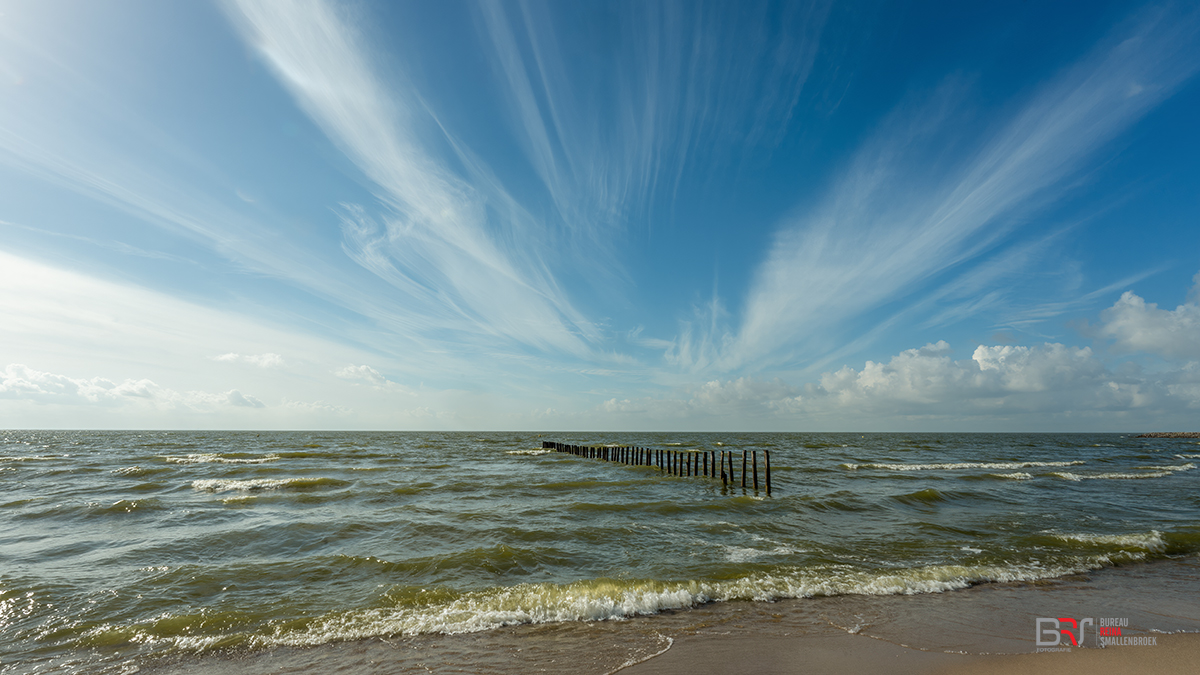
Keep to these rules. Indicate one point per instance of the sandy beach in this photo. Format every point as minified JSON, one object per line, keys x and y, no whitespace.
{"x":835,"y":654}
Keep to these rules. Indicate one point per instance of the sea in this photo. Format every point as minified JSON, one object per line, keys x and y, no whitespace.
{"x":215,"y":551}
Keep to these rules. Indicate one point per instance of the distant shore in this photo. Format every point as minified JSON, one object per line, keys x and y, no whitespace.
{"x":1170,"y":434}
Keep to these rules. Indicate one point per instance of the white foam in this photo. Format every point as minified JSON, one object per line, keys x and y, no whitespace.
{"x":257,"y":484}
{"x":633,"y":662}
{"x":1145,"y":472}
{"x":957,"y":465}
{"x":1150,"y":541}
{"x":739,"y":554}
{"x":209,"y":458}
{"x":1019,"y":475}
{"x":598,"y":600}
{"x":1170,"y":469}
{"x":533,"y":451}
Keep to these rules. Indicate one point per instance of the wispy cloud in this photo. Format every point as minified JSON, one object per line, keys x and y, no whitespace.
{"x":267,"y":360}
{"x":436,"y":240}
{"x":685,"y":85}
{"x":898,"y":218}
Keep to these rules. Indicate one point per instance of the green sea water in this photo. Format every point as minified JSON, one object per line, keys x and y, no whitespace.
{"x":120,"y":548}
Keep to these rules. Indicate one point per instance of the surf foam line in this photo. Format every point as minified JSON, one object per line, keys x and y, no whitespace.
{"x":603,"y":600}
{"x":1146,"y":472}
{"x":209,"y":458}
{"x":218,"y":485}
{"x":957,"y":465}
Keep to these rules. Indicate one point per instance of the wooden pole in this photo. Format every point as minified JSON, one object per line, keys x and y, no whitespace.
{"x":723,"y":476}
{"x":706,"y":465}
{"x":743,"y":468}
{"x":754,"y":458}
{"x":767,"y":461}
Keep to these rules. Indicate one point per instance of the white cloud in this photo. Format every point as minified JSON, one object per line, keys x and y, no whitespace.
{"x":268,"y":360}
{"x":315,"y":407}
{"x":368,"y":374}
{"x":1138,"y":326}
{"x":23,"y":383}
{"x":363,"y":372}
{"x":1048,"y":385}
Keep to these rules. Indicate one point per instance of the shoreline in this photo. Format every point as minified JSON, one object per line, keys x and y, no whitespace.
{"x":987,"y":629}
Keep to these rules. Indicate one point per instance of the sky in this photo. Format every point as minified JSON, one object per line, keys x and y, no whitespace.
{"x":552,"y":216}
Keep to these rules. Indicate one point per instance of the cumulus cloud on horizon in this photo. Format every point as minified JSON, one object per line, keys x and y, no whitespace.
{"x":1139,"y":326}
{"x":20,"y":382}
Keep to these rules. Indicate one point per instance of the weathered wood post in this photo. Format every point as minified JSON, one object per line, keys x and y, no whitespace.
{"x":743,"y":468}
{"x":724,"y":478}
{"x":754,"y":459}
{"x":767,"y":461}
{"x":706,"y":465}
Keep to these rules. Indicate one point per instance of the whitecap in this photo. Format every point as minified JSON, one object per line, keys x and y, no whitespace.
{"x":210,"y":458}
{"x":1150,"y":541}
{"x":1145,"y":472}
{"x":957,"y":465}
{"x":258,"y":484}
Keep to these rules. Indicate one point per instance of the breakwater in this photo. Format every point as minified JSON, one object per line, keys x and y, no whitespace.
{"x":684,"y":463}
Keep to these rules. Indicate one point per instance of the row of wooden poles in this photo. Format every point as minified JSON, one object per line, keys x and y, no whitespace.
{"x":676,"y":462}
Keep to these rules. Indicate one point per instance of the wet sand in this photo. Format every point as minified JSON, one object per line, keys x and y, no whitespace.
{"x":839,"y":654}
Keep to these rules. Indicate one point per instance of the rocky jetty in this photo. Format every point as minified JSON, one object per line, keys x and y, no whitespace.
{"x":1170,"y":434}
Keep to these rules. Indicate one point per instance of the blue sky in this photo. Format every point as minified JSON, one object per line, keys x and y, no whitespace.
{"x":622,"y":216}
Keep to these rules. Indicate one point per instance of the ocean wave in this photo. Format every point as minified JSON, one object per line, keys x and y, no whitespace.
{"x":1145,"y":472}
{"x":126,"y":506}
{"x":210,"y":458}
{"x":740,"y":554}
{"x":218,"y":485}
{"x":1148,"y":541}
{"x":531,"y":451}
{"x":136,"y":471}
{"x":609,"y":600}
{"x":957,"y":465}
{"x":1019,"y":475}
